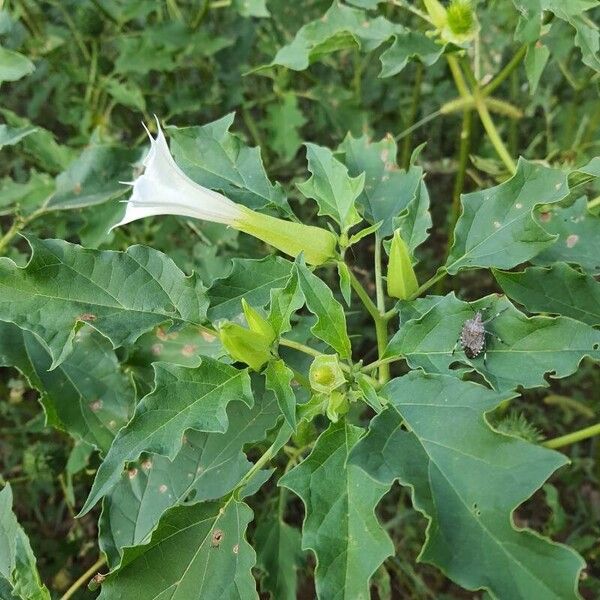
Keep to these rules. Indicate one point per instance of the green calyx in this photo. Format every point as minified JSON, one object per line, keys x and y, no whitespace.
{"x":245,"y":345}
{"x":258,"y":323}
{"x":317,"y":244}
{"x":325,"y":374}
{"x":401,"y":279}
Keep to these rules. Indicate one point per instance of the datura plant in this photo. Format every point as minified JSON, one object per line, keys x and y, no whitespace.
{"x":320,"y":388}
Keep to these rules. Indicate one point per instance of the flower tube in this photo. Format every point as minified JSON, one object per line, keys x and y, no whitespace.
{"x":164,"y":189}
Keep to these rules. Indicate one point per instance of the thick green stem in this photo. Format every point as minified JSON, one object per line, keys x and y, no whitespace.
{"x":380,"y":321}
{"x":440,"y":274}
{"x":492,"y":132}
{"x":510,"y":66}
{"x":481,"y":107}
{"x":459,"y":182}
{"x":571,"y":438}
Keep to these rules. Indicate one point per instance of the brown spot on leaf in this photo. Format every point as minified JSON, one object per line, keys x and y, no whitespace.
{"x":132,"y":473}
{"x":156,"y":349}
{"x":96,"y":405}
{"x":77,"y":188}
{"x":546,"y":216}
{"x":87,"y":317}
{"x":208,"y":337}
{"x":572,"y":240}
{"x":216,"y":538}
{"x":189,"y":349}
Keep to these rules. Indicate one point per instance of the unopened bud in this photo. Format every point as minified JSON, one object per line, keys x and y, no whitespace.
{"x":257,"y":322}
{"x":244,"y":345}
{"x":401,"y":279}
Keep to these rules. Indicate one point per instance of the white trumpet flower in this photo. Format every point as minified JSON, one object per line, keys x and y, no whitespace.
{"x":164,"y":189}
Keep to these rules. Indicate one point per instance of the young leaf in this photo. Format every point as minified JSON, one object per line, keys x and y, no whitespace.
{"x":558,"y":289}
{"x":285,"y":302}
{"x":208,"y":466}
{"x":332,"y":187}
{"x":545,"y":344}
{"x":331,"y":320}
{"x":389,"y":191}
{"x":19,"y":578}
{"x":9,"y":136}
{"x":340,"y":526}
{"x":219,"y":160}
{"x":183,"y":398}
{"x":278,"y":554}
{"x":94,"y":177}
{"x":279,"y":380}
{"x":467,"y":480}
{"x":197,"y":551}
{"x":578,"y":240}
{"x":340,"y":27}
{"x":497,"y":228}
{"x":87,"y":395}
{"x":250,"y":279}
{"x":120,"y":294}
{"x":13,"y":65}
{"x":284,"y":122}
{"x":345,"y":285}
{"x":535,"y":62}
{"x":409,"y":45}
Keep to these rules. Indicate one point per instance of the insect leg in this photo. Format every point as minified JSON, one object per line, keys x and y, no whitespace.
{"x":495,"y":316}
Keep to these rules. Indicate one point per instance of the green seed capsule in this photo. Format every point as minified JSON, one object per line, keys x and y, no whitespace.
{"x":325,"y":374}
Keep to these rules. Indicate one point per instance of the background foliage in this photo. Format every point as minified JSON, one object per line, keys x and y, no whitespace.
{"x":398,"y":128}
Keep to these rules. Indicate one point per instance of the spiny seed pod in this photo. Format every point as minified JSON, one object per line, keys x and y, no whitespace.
{"x":401,"y":279}
{"x":325,"y":374}
{"x":244,"y":345}
{"x":461,"y":18}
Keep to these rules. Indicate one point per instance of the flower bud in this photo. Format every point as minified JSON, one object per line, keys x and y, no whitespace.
{"x":317,"y":244}
{"x":401,"y":279}
{"x":257,"y":322}
{"x":436,"y":12}
{"x":244,"y":345}
{"x":325,"y":374}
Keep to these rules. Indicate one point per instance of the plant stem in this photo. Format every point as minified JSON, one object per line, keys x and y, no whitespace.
{"x":463,"y":159}
{"x":300,"y":347}
{"x":593,"y":203}
{"x":381,"y":328}
{"x":378,"y":363}
{"x":492,"y":132}
{"x":440,"y":274}
{"x":364,"y":297}
{"x":378,"y":318}
{"x":571,"y":438}
{"x":416,"y":98}
{"x":378,"y":277}
{"x":83,"y":579}
{"x":18,"y":225}
{"x":510,"y":66}
{"x":482,"y":109}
